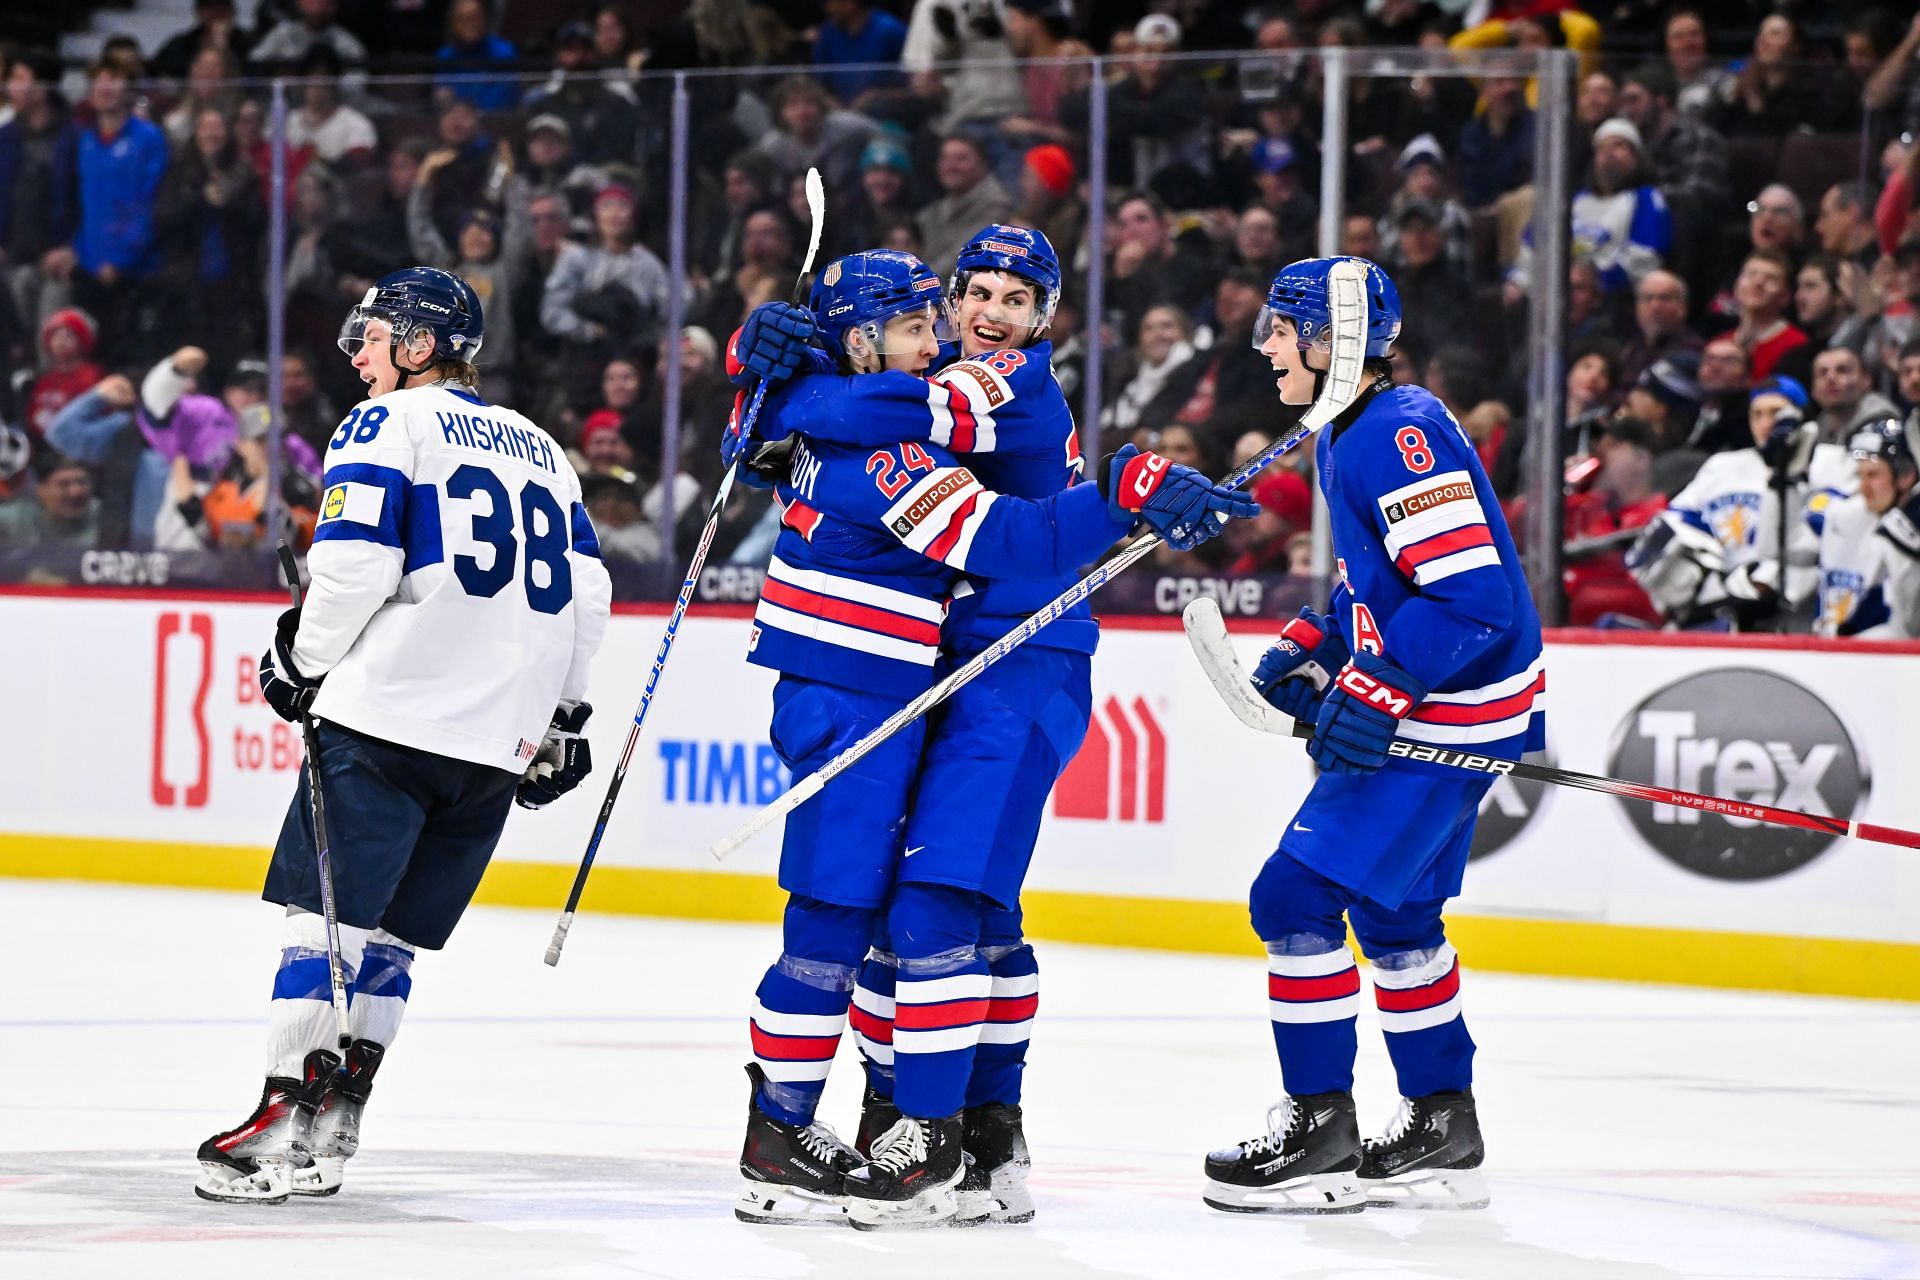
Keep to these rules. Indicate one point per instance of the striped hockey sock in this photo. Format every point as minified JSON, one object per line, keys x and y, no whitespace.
{"x":1419,"y":997}
{"x":380,"y":991}
{"x":1313,"y":1001}
{"x":872,"y":1018}
{"x":939,"y":1005}
{"x":1002,"y":1054}
{"x":301,"y":1019}
{"x":800,"y":1009}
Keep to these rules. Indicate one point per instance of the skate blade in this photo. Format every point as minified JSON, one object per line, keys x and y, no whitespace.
{"x":322,"y":1178}
{"x":764,"y":1205}
{"x":1430,"y":1189}
{"x":1313,"y":1193}
{"x":1009,"y":1203}
{"x":934,"y":1207}
{"x":224,"y":1185}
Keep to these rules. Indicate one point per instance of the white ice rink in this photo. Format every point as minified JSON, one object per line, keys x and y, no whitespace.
{"x":585,"y":1121}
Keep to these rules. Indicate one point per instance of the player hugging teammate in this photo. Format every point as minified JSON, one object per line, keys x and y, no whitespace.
{"x":457,"y":600}
{"x":923,"y":518}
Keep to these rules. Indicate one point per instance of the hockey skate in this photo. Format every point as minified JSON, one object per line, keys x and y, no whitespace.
{"x":794,"y":1173}
{"x":1429,"y":1158}
{"x":912,"y":1179}
{"x":336,"y":1124}
{"x":1305,"y":1163}
{"x":253,"y":1163}
{"x":877,"y":1115}
{"x":995,"y":1188}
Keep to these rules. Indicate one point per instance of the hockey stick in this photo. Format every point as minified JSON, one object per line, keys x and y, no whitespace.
{"x":817,"y":207}
{"x":1348,"y":296}
{"x":323,"y":856}
{"x":1211,"y":645}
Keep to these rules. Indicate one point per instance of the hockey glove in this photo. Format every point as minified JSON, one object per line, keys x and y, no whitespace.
{"x":1361,"y":713}
{"x":1788,"y":451}
{"x":1901,"y":527}
{"x":1294,"y":673}
{"x":563,"y":761}
{"x":287,"y":691}
{"x":1869,"y":612}
{"x":1177,"y":502}
{"x":763,"y":463}
{"x":774,"y":344}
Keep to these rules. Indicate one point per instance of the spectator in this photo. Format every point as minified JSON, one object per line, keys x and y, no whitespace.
{"x":1256,"y":242}
{"x":1037,"y":30}
{"x":1276,"y":179}
{"x":1761,"y":295}
{"x":121,"y":160}
{"x":813,"y":133}
{"x":974,"y":198}
{"x":61,"y":512}
{"x":1667,"y":399}
{"x":1228,"y":374}
{"x":1688,"y":158}
{"x":1496,"y":146}
{"x":310,"y":414}
{"x":1726,"y":374}
{"x":377,"y":213}
{"x":1593,"y":375}
{"x":614,"y":45}
{"x":97,"y":430}
{"x":209,"y":220}
{"x":613,"y":289}
{"x":769,"y":258}
{"x":1698,"y":85}
{"x":602,"y":116}
{"x":38,"y":150}
{"x":286,"y":44}
{"x":1824,"y":310}
{"x":613,"y":503}
{"x":1898,"y":278}
{"x":474,"y":50}
{"x":750,"y":181}
{"x":1423,"y":178}
{"x":1843,"y":395}
{"x":492,"y":257}
{"x":1532,"y":29}
{"x":227,"y":510}
{"x":1893,"y":87}
{"x":1908,"y":375}
{"x":1164,"y":344}
{"x":984,"y":88}
{"x":1660,"y":324}
{"x":1620,"y":222}
{"x":1049,"y":201}
{"x":1776,"y":221}
{"x":1157,"y":121}
{"x":250,"y":136}
{"x":210,"y":86}
{"x":1263,"y":544}
{"x":706,"y":401}
{"x":1844,"y":226}
{"x":855,"y":33}
{"x":1431,"y":286}
{"x":328,"y":127}
{"x":1623,"y":496}
{"x":66,"y":341}
{"x":548,"y":164}
{"x":1148,"y":266}
{"x":1774,"y":91}
{"x":1360,"y":237}
{"x":214,"y":28}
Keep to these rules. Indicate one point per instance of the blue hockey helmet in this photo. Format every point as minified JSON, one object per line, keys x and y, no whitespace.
{"x":1299,"y":293}
{"x":865,"y":290}
{"x":1019,"y":251}
{"x":415,"y":300}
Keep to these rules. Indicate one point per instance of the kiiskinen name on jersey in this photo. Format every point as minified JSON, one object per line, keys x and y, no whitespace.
{"x":472,"y":431}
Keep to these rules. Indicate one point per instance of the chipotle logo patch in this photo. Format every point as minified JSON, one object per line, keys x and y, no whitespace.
{"x":929,"y":502}
{"x":1427,"y":499}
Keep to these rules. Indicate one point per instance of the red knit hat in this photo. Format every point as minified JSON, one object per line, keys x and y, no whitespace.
{"x":1285,"y":493}
{"x":597,"y":421}
{"x":75,"y":321}
{"x":1053,"y":166}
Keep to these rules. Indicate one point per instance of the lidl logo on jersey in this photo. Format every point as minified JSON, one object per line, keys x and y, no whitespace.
{"x":1120,"y":772}
{"x":336,"y":503}
{"x":703,"y":773}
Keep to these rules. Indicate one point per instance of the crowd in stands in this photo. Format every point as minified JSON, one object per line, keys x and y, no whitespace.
{"x":1745,"y":177}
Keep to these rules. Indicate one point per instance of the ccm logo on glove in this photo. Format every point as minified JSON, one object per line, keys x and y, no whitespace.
{"x":1141,"y":477}
{"x":1373,"y":693}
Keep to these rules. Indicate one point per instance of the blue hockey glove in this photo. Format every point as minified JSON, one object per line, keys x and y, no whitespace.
{"x":1294,"y":673}
{"x":1180,"y":504}
{"x":563,"y":761}
{"x":775,"y":343}
{"x":763,"y":463}
{"x":1362,"y":711}
{"x":287,"y":691}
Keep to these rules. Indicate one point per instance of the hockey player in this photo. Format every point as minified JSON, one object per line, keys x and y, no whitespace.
{"x":873,"y":543}
{"x":998,"y":746}
{"x":1869,"y":547}
{"x":1432,"y":637}
{"x":457,"y":599}
{"x":1717,"y":550}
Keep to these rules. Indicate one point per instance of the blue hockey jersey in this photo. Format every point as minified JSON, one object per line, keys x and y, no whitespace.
{"x":874,"y":541}
{"x":1003,"y":412}
{"x":1430,"y":579}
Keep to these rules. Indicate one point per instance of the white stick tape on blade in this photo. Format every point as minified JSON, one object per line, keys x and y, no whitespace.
{"x":817,"y":210}
{"x":1207,"y":633}
{"x":1347,"y":300}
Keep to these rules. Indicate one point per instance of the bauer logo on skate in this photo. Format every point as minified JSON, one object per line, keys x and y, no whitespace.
{"x":1120,"y":772}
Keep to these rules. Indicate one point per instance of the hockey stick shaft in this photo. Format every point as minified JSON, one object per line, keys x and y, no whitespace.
{"x":323,"y":855}
{"x":1343,"y":385}
{"x":816,"y":203}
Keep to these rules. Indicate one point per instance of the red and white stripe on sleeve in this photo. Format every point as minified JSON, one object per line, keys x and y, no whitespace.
{"x":1436,"y":528}
{"x":964,"y":397}
{"x":1462,"y":717}
{"x":940,"y":515}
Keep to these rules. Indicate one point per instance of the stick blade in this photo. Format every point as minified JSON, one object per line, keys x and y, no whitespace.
{"x":817,"y":213}
{"x":1213,"y":647}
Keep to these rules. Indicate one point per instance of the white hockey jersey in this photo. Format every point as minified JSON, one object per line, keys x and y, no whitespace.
{"x":1730,"y":497}
{"x":458,"y":594}
{"x":1863,"y":571}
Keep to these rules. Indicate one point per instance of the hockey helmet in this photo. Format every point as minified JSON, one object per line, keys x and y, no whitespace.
{"x":418,"y":299}
{"x":1300,"y":294}
{"x":1019,"y":251}
{"x":1894,"y":442}
{"x":865,"y":290}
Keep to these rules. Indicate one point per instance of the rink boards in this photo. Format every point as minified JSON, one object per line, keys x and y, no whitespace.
{"x":140,"y":751}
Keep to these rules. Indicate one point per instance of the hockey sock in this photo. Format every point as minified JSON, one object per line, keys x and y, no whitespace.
{"x":1001,"y":1057}
{"x":872,"y":1018}
{"x":800,"y":1007}
{"x":1419,"y":997}
{"x":301,"y":1018}
{"x":941,"y":996}
{"x":380,"y":992}
{"x":1313,"y":998}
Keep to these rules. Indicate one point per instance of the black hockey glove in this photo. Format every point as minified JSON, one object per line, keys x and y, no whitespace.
{"x":563,"y":761}
{"x":287,"y":691}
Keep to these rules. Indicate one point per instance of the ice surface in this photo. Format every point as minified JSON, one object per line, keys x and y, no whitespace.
{"x":584,"y":1121}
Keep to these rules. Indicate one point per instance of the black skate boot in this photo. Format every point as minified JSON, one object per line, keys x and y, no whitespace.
{"x":251,"y":1164}
{"x":1429,"y":1156}
{"x":794,"y":1172}
{"x":912,"y":1178}
{"x":877,"y":1115}
{"x":1305,"y":1163}
{"x":995,"y":1188}
{"x":336,"y":1125}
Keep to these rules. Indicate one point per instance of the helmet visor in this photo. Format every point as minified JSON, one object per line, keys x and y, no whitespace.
{"x":1269,"y":320}
{"x":386,"y":327}
{"x":904,"y":334}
